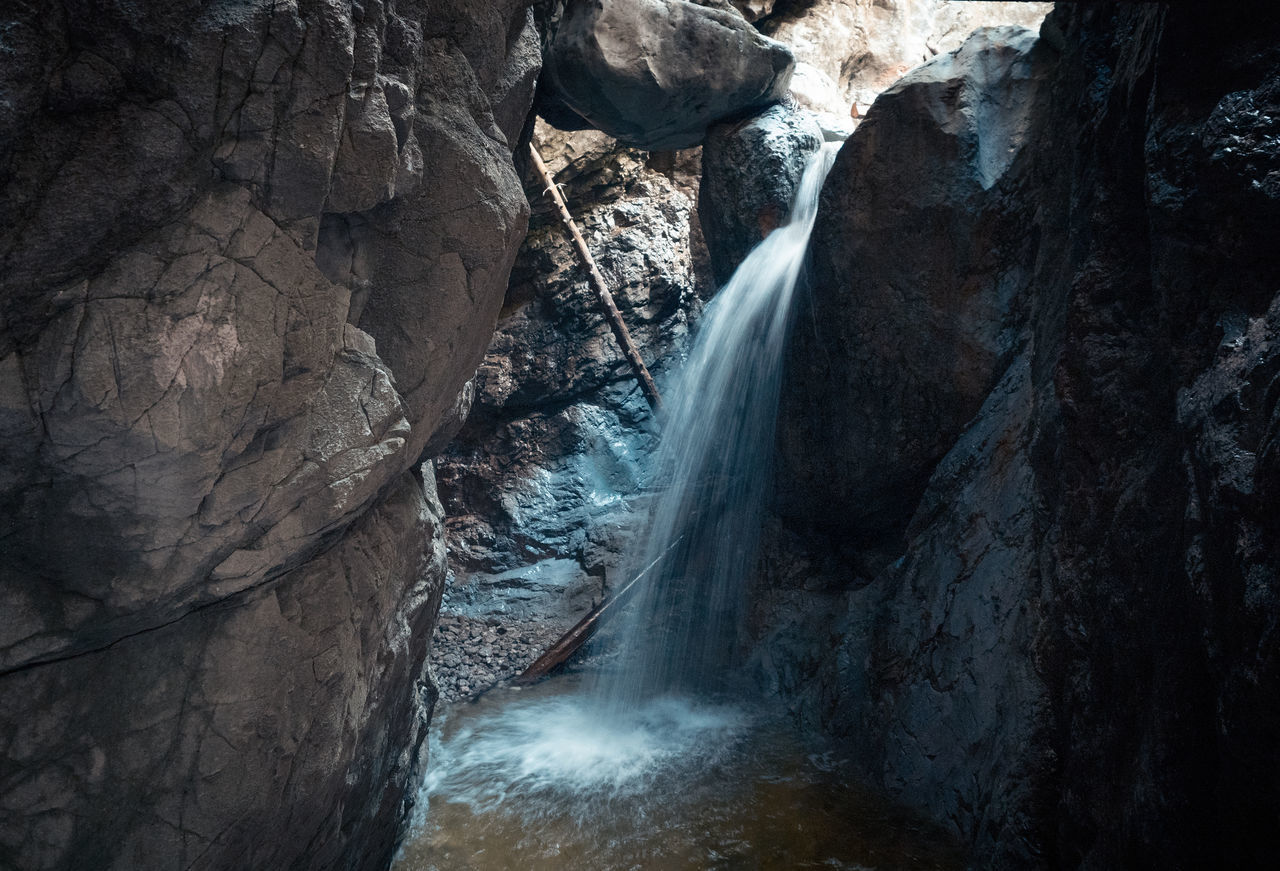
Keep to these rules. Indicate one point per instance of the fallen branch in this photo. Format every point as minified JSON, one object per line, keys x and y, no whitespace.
{"x":619,"y":327}
{"x":558,"y":654}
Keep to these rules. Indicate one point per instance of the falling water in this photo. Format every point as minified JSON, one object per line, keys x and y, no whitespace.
{"x":648,"y":764}
{"x":712,"y":473}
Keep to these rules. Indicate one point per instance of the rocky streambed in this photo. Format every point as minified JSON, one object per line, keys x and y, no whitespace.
{"x":470,"y":655}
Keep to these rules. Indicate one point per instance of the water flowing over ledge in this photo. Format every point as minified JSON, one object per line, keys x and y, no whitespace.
{"x":712,"y":475}
{"x":650,"y":759}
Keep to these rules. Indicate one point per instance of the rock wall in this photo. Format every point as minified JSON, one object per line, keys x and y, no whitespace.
{"x":849,"y":51}
{"x":541,"y":484}
{"x":252,"y":253}
{"x":1047,"y":615}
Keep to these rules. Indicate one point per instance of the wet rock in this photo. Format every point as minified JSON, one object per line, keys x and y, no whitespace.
{"x":1091,"y":568}
{"x":750,"y":170}
{"x":914,"y":350}
{"x":541,"y":482}
{"x":655,"y":73}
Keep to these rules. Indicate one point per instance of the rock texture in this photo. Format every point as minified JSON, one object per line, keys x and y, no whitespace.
{"x":655,"y":73}
{"x":926,"y":248}
{"x":252,"y":253}
{"x":750,"y":170}
{"x":1064,"y":647}
{"x":849,"y":51}
{"x":541,"y":484}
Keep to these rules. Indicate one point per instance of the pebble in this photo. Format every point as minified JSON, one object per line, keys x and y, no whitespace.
{"x":469,"y":656}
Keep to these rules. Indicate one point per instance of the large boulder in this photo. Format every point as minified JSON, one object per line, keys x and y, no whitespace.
{"x":920,"y":265}
{"x":655,"y":73}
{"x":750,"y":170}
{"x":253,"y":252}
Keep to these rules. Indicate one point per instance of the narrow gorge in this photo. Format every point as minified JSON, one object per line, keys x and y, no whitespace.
{"x":313,"y":435}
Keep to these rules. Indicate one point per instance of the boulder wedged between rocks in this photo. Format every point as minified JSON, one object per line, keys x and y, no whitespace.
{"x":654,"y":74}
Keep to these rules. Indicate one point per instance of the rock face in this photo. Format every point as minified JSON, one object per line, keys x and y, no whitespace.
{"x":923,"y":193}
{"x":1064,"y":645}
{"x":541,"y":484}
{"x":655,"y":73}
{"x":750,"y":170}
{"x":849,"y":51}
{"x":252,"y":253}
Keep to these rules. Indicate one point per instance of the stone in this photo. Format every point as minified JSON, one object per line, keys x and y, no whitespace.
{"x":253,"y":253}
{"x":1090,"y":570}
{"x":750,"y":170}
{"x":932,"y":314}
{"x":654,"y":74}
{"x":849,"y":51}
{"x":543,"y":482}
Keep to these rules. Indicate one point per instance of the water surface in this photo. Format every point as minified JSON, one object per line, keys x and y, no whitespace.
{"x":544,"y":779}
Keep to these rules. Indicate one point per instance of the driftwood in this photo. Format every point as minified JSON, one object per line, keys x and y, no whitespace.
{"x":612,"y":315}
{"x":558,"y":654}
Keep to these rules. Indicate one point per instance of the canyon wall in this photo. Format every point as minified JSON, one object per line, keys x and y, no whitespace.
{"x":252,"y":253}
{"x":1026,"y":552}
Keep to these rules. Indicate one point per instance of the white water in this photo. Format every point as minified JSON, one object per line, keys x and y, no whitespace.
{"x":589,"y":776}
{"x":713,"y":474}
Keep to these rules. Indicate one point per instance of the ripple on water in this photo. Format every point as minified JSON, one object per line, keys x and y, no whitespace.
{"x":544,"y":779}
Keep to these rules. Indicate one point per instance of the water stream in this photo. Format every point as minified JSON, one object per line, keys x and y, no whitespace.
{"x":712,"y":472}
{"x":655,"y":761}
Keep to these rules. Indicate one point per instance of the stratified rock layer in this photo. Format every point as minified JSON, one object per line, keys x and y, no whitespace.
{"x":252,"y":253}
{"x":1061,"y":640}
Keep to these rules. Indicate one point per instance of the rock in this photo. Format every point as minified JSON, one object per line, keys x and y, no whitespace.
{"x":912,"y":349}
{"x":849,"y":51}
{"x":939,"y":699}
{"x":220,"y":371}
{"x":750,"y":170}
{"x":556,"y":443}
{"x":1091,"y":571}
{"x":543,"y":481}
{"x":175,"y":744}
{"x":655,"y":73}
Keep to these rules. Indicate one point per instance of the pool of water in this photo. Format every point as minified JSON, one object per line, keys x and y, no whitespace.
{"x":543,"y":778}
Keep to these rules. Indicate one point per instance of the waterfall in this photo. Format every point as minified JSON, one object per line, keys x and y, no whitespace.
{"x":712,"y":473}
{"x":646,"y":764}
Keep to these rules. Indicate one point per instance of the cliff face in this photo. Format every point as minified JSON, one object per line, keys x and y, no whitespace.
{"x":1046,"y":613}
{"x":252,"y":253}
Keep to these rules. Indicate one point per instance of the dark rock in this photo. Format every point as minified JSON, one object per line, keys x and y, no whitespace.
{"x":543,"y":481}
{"x":172,"y":747}
{"x":655,"y":73}
{"x":920,"y":266}
{"x":199,"y":203}
{"x":1091,"y":571}
{"x":750,"y":170}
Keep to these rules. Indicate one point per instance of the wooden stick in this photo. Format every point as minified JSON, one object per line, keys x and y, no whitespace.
{"x":558,"y":654}
{"x":619,"y":327}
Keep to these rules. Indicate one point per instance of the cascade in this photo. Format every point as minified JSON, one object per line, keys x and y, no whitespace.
{"x":712,"y":475}
{"x":649,"y":762}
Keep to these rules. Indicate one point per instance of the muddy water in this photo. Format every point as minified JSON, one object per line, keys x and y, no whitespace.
{"x":541,"y":779}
